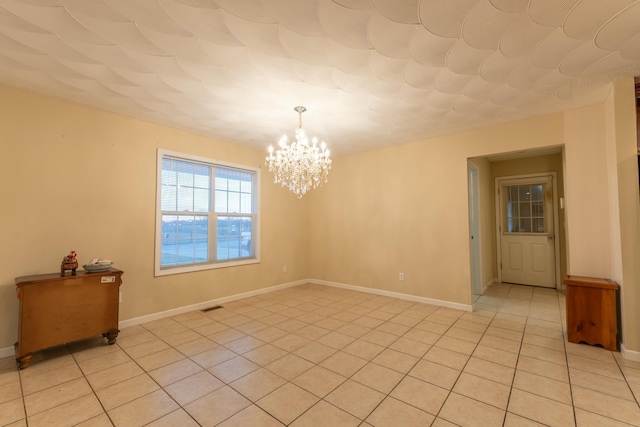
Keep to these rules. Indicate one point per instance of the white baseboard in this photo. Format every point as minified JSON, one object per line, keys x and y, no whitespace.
{"x":629,"y":354}
{"x":205,"y":304}
{"x":7,"y":352}
{"x":414,"y":298}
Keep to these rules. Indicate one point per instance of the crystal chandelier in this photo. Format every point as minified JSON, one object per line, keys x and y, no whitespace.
{"x":299,"y":166}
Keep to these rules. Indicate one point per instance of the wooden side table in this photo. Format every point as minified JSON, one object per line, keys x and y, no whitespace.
{"x":56,"y":310}
{"x":592,"y":311}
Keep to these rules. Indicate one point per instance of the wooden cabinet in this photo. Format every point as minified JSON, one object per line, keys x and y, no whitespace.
{"x":57,"y":309}
{"x":592,"y":311}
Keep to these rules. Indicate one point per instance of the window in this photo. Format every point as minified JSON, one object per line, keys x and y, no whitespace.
{"x":525,"y":208}
{"x":206,"y":214}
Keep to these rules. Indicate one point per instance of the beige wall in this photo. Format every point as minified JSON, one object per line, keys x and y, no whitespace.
{"x":405,"y":209}
{"x":626,"y":224}
{"x":78,"y":178}
{"x":83,"y":179}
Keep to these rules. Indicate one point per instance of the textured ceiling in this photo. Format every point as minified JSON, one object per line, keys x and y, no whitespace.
{"x":370,"y":72}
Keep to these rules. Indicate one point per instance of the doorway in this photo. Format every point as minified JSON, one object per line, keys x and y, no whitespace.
{"x":474,"y":230}
{"x":526,"y":225}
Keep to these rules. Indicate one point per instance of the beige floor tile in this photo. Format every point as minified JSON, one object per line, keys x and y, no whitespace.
{"x":540,"y":409}
{"x":411,"y":347}
{"x":607,"y":369}
{"x":101,"y":420}
{"x":95,"y":364}
{"x":544,"y":332}
{"x":49,"y":378}
{"x":226,"y":336}
{"x":289,"y":366}
{"x":550,"y":343}
{"x":176,"y":371}
{"x":440,"y":422}
{"x":291,"y":342}
{"x":114,"y":375}
{"x":265,"y":355}
{"x":513,"y":420}
{"x":606,"y":405}
{"x":424,"y":337}
{"x":233,"y":369}
{"x":324,"y":414}
{"x":312,"y":332}
{"x":542,"y":386}
{"x":343,"y":363}
{"x":504,"y":333}
{"x":159,"y":359}
{"x":287,"y":402}
{"x":393,"y":328}
{"x":91,"y":347}
{"x":507,"y":324}
{"x":589,"y":419}
{"x":146,"y":348}
{"x":194,"y":347}
{"x":457,"y":345}
{"x":215,"y":407}
{"x":337,"y":340}
{"x":464,"y":411}
{"x":355,"y":398}
{"x":378,"y":377}
{"x":68,"y":414}
{"x":393,"y":413}
{"x":213,"y":357}
{"x":501,"y":343}
{"x":483,"y":390}
{"x":57,"y":395}
{"x":126,"y":341}
{"x":194,"y":387}
{"x":251,"y":416}
{"x":420,"y":394}
{"x":269,"y":334}
{"x":315,"y":352}
{"x":543,"y":368}
{"x":490,"y":370}
{"x":435,"y":373}
{"x":10,"y":391}
{"x":602,"y":384}
{"x":329,"y":323}
{"x":11,"y":411}
{"x":181,"y":337}
{"x":380,"y":338}
{"x":396,"y":360}
{"x":257,"y":384}
{"x":464,"y":334}
{"x":446,"y":357}
{"x":244,"y":344}
{"x":176,"y":418}
{"x":319,"y":381}
{"x":544,"y":353}
{"x":126,"y":391}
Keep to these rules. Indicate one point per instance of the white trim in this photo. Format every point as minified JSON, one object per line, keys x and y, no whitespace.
{"x":414,"y":298}
{"x":205,"y":304}
{"x":7,"y":352}
{"x":158,"y":271}
{"x":629,"y":354}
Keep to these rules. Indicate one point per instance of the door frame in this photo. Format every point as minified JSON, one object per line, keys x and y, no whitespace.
{"x":556,"y":223}
{"x":475,"y":238}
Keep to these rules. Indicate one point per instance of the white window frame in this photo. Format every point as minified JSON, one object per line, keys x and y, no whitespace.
{"x":212,"y":264}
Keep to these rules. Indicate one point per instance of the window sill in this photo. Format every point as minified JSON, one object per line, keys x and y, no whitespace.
{"x":200,"y":267}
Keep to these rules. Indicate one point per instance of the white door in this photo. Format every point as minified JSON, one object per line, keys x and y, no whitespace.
{"x":526,"y":227}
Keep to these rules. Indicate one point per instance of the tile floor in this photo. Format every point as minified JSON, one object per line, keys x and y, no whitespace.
{"x":321,"y":356}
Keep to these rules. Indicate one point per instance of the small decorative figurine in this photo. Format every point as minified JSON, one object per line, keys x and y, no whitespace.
{"x":69,"y":263}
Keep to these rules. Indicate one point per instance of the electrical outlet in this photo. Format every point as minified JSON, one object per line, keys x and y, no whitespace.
{"x":401,"y":276}
{"x":284,"y":268}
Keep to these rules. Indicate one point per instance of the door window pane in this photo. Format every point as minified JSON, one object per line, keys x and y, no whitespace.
{"x":525,"y":208}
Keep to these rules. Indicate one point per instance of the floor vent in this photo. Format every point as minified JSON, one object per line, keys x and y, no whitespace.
{"x":215,"y":307}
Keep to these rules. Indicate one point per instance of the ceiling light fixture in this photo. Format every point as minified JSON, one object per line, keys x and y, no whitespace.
{"x":299,"y":166}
